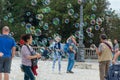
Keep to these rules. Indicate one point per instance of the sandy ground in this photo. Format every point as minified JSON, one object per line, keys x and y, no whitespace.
{"x":82,"y":71}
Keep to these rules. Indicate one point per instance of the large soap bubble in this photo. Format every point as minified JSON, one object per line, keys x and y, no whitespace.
{"x":71,"y":12}
{"x":56,"y":21}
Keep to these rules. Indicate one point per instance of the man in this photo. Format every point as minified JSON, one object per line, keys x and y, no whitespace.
{"x":7,"y":48}
{"x":104,"y":52}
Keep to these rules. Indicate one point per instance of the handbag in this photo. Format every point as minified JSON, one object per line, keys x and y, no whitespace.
{"x":35,"y":60}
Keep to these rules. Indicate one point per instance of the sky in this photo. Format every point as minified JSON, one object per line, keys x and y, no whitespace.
{"x":115,"y":4}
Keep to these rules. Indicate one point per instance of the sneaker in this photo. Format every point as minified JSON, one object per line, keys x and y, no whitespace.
{"x":71,"y":72}
{"x":68,"y":72}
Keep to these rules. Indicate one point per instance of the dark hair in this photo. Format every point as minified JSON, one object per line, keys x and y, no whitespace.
{"x":25,"y":37}
{"x":103,"y":36}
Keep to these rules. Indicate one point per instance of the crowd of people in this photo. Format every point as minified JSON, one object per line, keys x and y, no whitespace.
{"x":107,"y":54}
{"x":8,"y":50}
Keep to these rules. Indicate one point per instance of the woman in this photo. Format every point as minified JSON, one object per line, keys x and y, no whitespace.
{"x":57,"y":53}
{"x":26,"y":57}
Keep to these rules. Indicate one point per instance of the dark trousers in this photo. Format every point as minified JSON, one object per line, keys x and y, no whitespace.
{"x":28,"y":74}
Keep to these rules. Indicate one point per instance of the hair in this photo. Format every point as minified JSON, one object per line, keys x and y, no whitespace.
{"x":103,"y":36}
{"x":5,"y":28}
{"x":26,"y":37}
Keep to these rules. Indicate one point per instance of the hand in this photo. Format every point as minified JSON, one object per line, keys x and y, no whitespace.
{"x":113,"y":61}
{"x":1,"y":54}
{"x":38,"y":55}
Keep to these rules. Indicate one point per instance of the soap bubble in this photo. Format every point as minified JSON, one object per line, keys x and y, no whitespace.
{"x":45,"y":27}
{"x":79,"y":1}
{"x":102,"y":29}
{"x":5,"y":18}
{"x":99,"y":21}
{"x":97,"y":27}
{"x":56,"y":21}
{"x":41,"y":23}
{"x":76,"y":15}
{"x":91,"y":35}
{"x":30,"y":19}
{"x":93,"y":16}
{"x":11,"y":20}
{"x":69,"y":5}
{"x":38,"y":32}
{"x":28,"y":13}
{"x":28,"y":25}
{"x":32,"y":28}
{"x":33,"y":2}
{"x":28,"y":31}
{"x":89,"y":30}
{"x":94,"y":7}
{"x":93,"y":47}
{"x":77,"y":25}
{"x":39,"y":16}
{"x":22,"y":23}
{"x":46,"y":10}
{"x":9,"y":14}
{"x":66,"y":21}
{"x":71,"y":12}
{"x":45,"y":2}
{"x":92,"y":22}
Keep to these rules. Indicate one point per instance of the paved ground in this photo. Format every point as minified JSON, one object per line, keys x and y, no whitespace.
{"x":82,"y":71}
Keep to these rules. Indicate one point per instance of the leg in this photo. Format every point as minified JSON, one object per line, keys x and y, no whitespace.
{"x":28,"y":74}
{"x":59,"y":63}
{"x":69,"y":62}
{"x":0,"y":76}
{"x":54,"y":61}
{"x":6,"y":76}
{"x":102,"y":70}
{"x":7,"y":67}
{"x":107,"y":68}
{"x":72,"y":61}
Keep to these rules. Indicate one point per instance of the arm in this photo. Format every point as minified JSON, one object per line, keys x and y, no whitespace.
{"x":13,"y":51}
{"x":115,"y":57}
{"x":98,"y":52}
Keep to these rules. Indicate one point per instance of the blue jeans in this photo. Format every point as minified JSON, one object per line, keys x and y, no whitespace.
{"x":28,"y":74}
{"x":71,"y":58}
{"x":55,"y":57}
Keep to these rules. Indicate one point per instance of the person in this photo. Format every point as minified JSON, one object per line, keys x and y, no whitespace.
{"x":116,"y":46}
{"x":7,"y":49}
{"x":71,"y":53}
{"x":57,"y":53}
{"x":104,"y":52}
{"x":45,"y":53}
{"x":26,"y":57}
